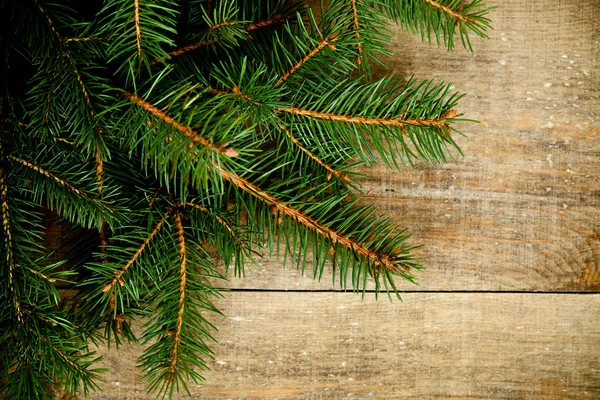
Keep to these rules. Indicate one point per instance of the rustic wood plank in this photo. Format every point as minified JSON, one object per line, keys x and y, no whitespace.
{"x":520,"y":210}
{"x":332,"y":345}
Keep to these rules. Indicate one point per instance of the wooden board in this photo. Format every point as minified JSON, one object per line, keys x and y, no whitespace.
{"x":520,"y":211}
{"x":334,"y":346}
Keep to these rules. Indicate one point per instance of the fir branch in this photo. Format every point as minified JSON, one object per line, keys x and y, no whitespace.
{"x":442,"y":18}
{"x":82,"y":39}
{"x":73,"y":195}
{"x":196,"y":138}
{"x":309,"y":222}
{"x":138,"y":33}
{"x":327,"y":42}
{"x":440,"y":123}
{"x":277,"y":19}
{"x":48,"y":20}
{"x":84,"y":90}
{"x":186,"y":49}
{"x":138,"y":29}
{"x":265,"y":161}
{"x":356,"y":31}
{"x":6,"y":225}
{"x":182,"y":289}
{"x":8,"y":240}
{"x":62,"y":355}
{"x":330,"y":171}
{"x":453,"y":13}
{"x":232,"y":242}
{"x":41,"y":275}
{"x":220,"y":25}
{"x":68,"y":55}
{"x":51,"y":176}
{"x":65,"y":51}
{"x":119,"y":273}
{"x":219,"y":219}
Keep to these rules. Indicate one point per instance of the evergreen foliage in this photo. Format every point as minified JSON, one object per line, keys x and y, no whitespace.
{"x":172,"y":132}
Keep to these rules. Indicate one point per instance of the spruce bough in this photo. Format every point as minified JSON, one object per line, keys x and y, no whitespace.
{"x":174,"y":133}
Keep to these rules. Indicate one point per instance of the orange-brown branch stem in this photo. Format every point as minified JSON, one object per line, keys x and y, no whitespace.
{"x":8,"y":243}
{"x":49,"y":175}
{"x":438,"y":122}
{"x":279,"y":18}
{"x":331,"y":172}
{"x":356,"y":27}
{"x":138,"y":29}
{"x":63,"y":356}
{"x":309,"y":222}
{"x":84,"y":90}
{"x":220,"y":24}
{"x":119,"y":273}
{"x":182,"y":284}
{"x":219,"y":219}
{"x":447,"y":10}
{"x":327,"y":42}
{"x":166,"y":118}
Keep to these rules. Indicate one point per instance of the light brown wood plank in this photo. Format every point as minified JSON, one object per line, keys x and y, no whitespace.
{"x":521,"y":210}
{"x":333,"y":346}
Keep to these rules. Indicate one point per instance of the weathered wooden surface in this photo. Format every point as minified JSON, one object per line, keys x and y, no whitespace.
{"x":333,"y":346}
{"x":520,"y":212}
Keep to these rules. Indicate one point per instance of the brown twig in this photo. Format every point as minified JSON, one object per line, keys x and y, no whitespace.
{"x":278,"y":205}
{"x":8,"y":242}
{"x":49,"y":175}
{"x":327,"y":42}
{"x":41,"y":275}
{"x":219,"y":219}
{"x":331,"y":171}
{"x":186,"y":49}
{"x":138,"y":30}
{"x":153,"y":199}
{"x":84,"y":90}
{"x":448,"y":10}
{"x":235,"y":90}
{"x":50,"y":23}
{"x":356,"y":32}
{"x":166,"y":118}
{"x":83,"y":39}
{"x":279,"y":18}
{"x":437,"y":122}
{"x":220,"y":24}
{"x":181,"y":301}
{"x":64,"y":356}
{"x":86,"y":94}
{"x":6,"y":224}
{"x":119,"y":273}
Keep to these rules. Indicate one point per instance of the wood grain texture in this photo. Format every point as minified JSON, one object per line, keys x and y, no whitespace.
{"x":333,"y":346}
{"x":520,"y":210}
